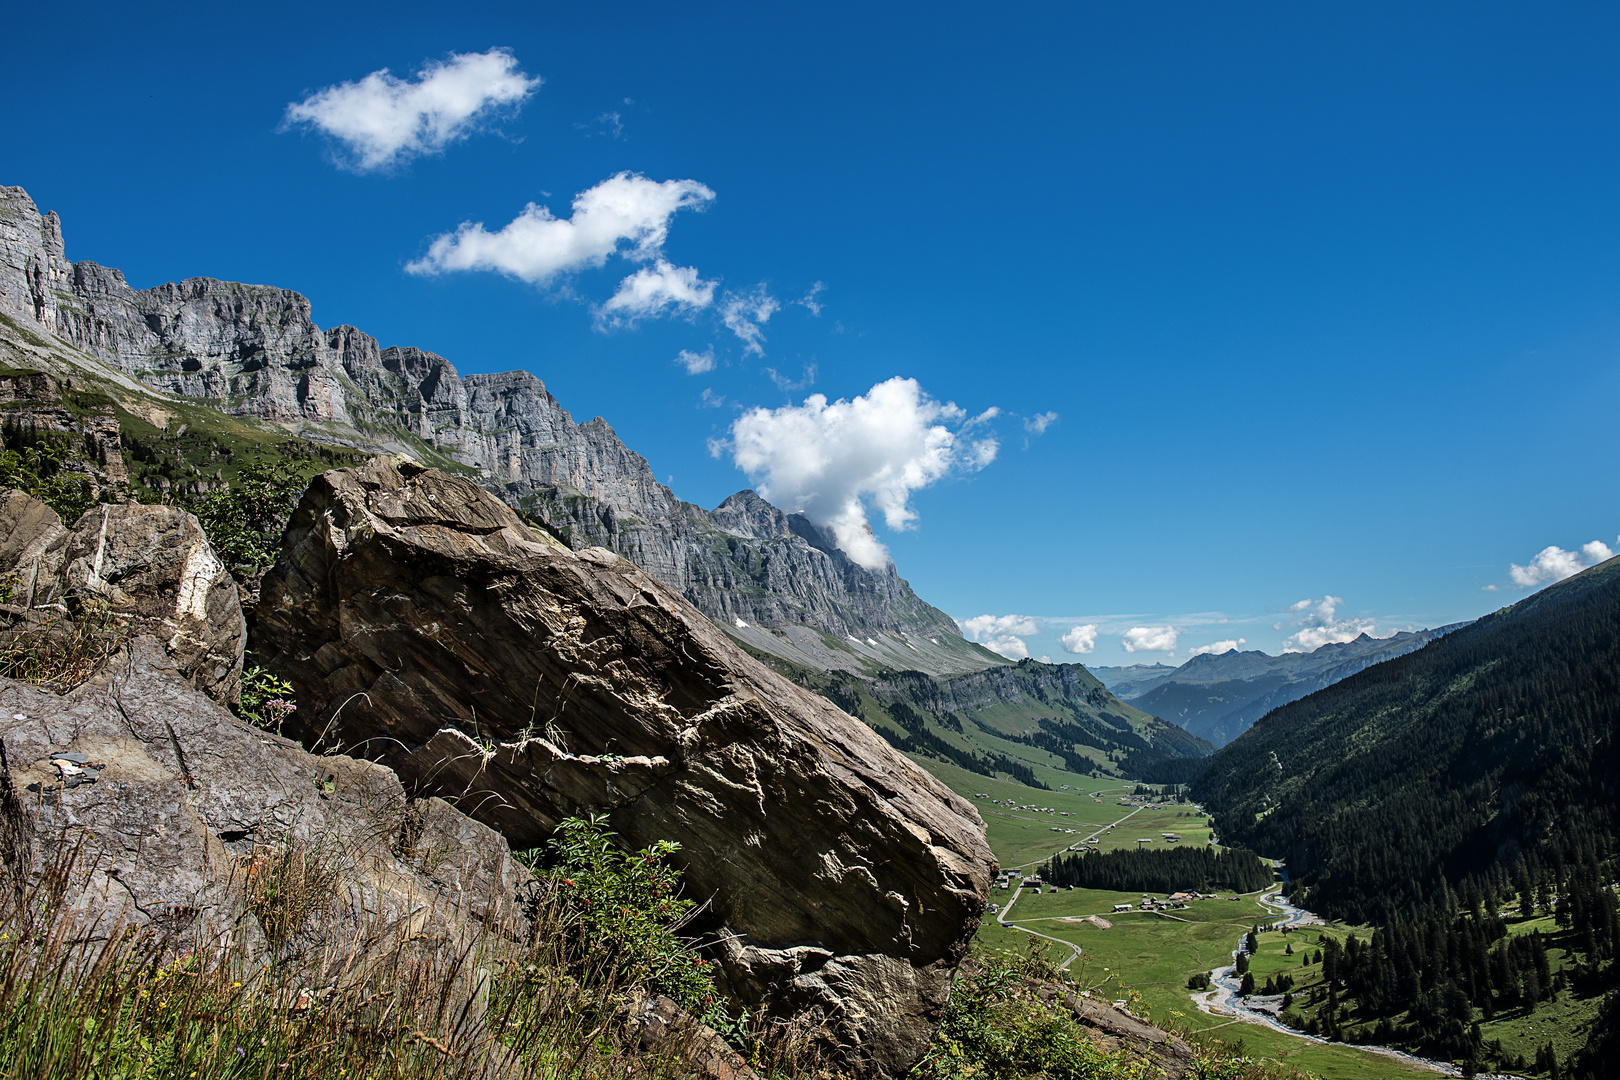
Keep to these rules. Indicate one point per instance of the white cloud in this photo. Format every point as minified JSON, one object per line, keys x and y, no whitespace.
{"x":383,"y":120}
{"x":1320,"y":625}
{"x":745,"y":314}
{"x":1037,"y":424}
{"x":1217,"y":647}
{"x":1080,"y":640}
{"x":652,"y":289}
{"x":696,"y":363}
{"x":1150,"y":639}
{"x":610,"y":124}
{"x":711,"y":400}
{"x":999,"y":633}
{"x":536,"y":247}
{"x":827,"y":459}
{"x":808,"y":300}
{"x":1553,"y":563}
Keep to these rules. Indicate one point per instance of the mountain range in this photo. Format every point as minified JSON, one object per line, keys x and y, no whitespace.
{"x":172,"y":387}
{"x":1218,"y":696}
{"x":253,"y":354}
{"x":1492,"y":744}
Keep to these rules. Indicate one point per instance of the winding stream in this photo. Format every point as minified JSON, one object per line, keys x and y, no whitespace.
{"x":1223,"y":999}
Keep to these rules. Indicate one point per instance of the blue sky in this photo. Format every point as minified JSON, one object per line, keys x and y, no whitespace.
{"x":1325,"y":298}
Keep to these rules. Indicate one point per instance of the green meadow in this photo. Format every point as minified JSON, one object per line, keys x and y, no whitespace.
{"x":1144,"y":957}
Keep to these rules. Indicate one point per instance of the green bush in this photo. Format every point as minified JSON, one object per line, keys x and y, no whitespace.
{"x":619,"y":916}
{"x":244,"y":521}
{"x":267,"y":699}
{"x":38,"y":471}
{"x":997,"y":1028}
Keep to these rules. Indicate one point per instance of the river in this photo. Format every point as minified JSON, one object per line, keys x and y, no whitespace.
{"x":1223,"y":999}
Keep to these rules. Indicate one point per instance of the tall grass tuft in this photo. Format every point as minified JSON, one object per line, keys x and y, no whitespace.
{"x":270,"y":991}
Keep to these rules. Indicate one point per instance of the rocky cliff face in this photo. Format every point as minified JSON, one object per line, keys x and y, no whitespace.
{"x":424,"y":626}
{"x":253,"y":351}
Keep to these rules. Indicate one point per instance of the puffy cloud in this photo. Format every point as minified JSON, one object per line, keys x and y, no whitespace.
{"x":1553,"y":563}
{"x":1150,"y":639}
{"x":1215,"y":648}
{"x":696,"y":363}
{"x":999,"y":633}
{"x":827,"y":459}
{"x":745,"y":314}
{"x":383,"y":120}
{"x":1080,"y":640}
{"x":1037,"y":424}
{"x":652,"y":289}
{"x":536,"y":246}
{"x":1320,"y":625}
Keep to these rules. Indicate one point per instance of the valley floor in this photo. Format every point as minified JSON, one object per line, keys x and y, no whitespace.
{"x":1146,"y":954}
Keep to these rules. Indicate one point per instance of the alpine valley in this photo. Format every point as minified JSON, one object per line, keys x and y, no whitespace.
{"x":360,"y":681}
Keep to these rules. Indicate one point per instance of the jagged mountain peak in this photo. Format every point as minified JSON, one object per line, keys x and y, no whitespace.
{"x":254,"y":352}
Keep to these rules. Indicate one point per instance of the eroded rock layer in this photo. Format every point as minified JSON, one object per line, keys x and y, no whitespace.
{"x":425,"y":627}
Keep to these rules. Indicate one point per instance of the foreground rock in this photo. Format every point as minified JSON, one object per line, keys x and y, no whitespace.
{"x":149,"y":566}
{"x":424,"y":626}
{"x":169,"y":799}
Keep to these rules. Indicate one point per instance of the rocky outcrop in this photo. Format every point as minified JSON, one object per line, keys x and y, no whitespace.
{"x":425,"y":627}
{"x":37,"y":408}
{"x":149,"y":567}
{"x":254,"y":351}
{"x":168,"y":798}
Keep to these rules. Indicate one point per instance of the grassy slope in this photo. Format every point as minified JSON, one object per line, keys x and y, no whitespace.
{"x":986,"y":723}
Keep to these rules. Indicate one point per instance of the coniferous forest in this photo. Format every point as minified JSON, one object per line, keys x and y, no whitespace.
{"x":1187,"y":869}
{"x":1455,"y":799}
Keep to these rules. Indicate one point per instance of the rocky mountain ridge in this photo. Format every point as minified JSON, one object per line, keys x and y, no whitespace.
{"x":1218,"y":696}
{"x":254,"y":352}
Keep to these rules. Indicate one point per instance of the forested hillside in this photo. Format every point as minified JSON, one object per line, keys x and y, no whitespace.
{"x":1492,"y":745}
{"x":1462,"y":798}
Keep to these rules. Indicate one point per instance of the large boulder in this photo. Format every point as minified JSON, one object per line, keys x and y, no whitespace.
{"x":167,"y":797}
{"x":30,"y":546}
{"x":150,"y":566}
{"x":425,"y":627}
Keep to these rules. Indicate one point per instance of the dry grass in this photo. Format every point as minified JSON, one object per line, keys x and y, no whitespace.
{"x":209,"y":999}
{"x":48,"y":648}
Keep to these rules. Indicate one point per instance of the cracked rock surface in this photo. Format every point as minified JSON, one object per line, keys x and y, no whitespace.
{"x":424,"y":626}
{"x":173,"y":795}
{"x":151,"y":566}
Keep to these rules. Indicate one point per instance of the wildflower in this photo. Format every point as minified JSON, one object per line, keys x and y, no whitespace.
{"x":241,"y":1051}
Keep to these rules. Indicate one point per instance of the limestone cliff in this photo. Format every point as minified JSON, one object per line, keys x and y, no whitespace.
{"x":253,"y":351}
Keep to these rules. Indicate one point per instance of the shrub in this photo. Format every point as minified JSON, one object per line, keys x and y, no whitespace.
{"x":997,"y":1028}
{"x":618,"y":915}
{"x":267,"y":700}
{"x":245,"y":520}
{"x":38,"y":471}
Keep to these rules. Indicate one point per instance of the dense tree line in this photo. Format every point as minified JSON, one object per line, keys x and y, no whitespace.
{"x":1488,"y":746}
{"x":1182,"y":869}
{"x":1425,"y":980}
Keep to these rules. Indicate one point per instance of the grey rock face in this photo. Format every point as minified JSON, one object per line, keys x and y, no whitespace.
{"x":254,"y":351}
{"x":425,"y":626}
{"x":151,"y":565}
{"x":31,"y":539}
{"x":174,"y":790}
